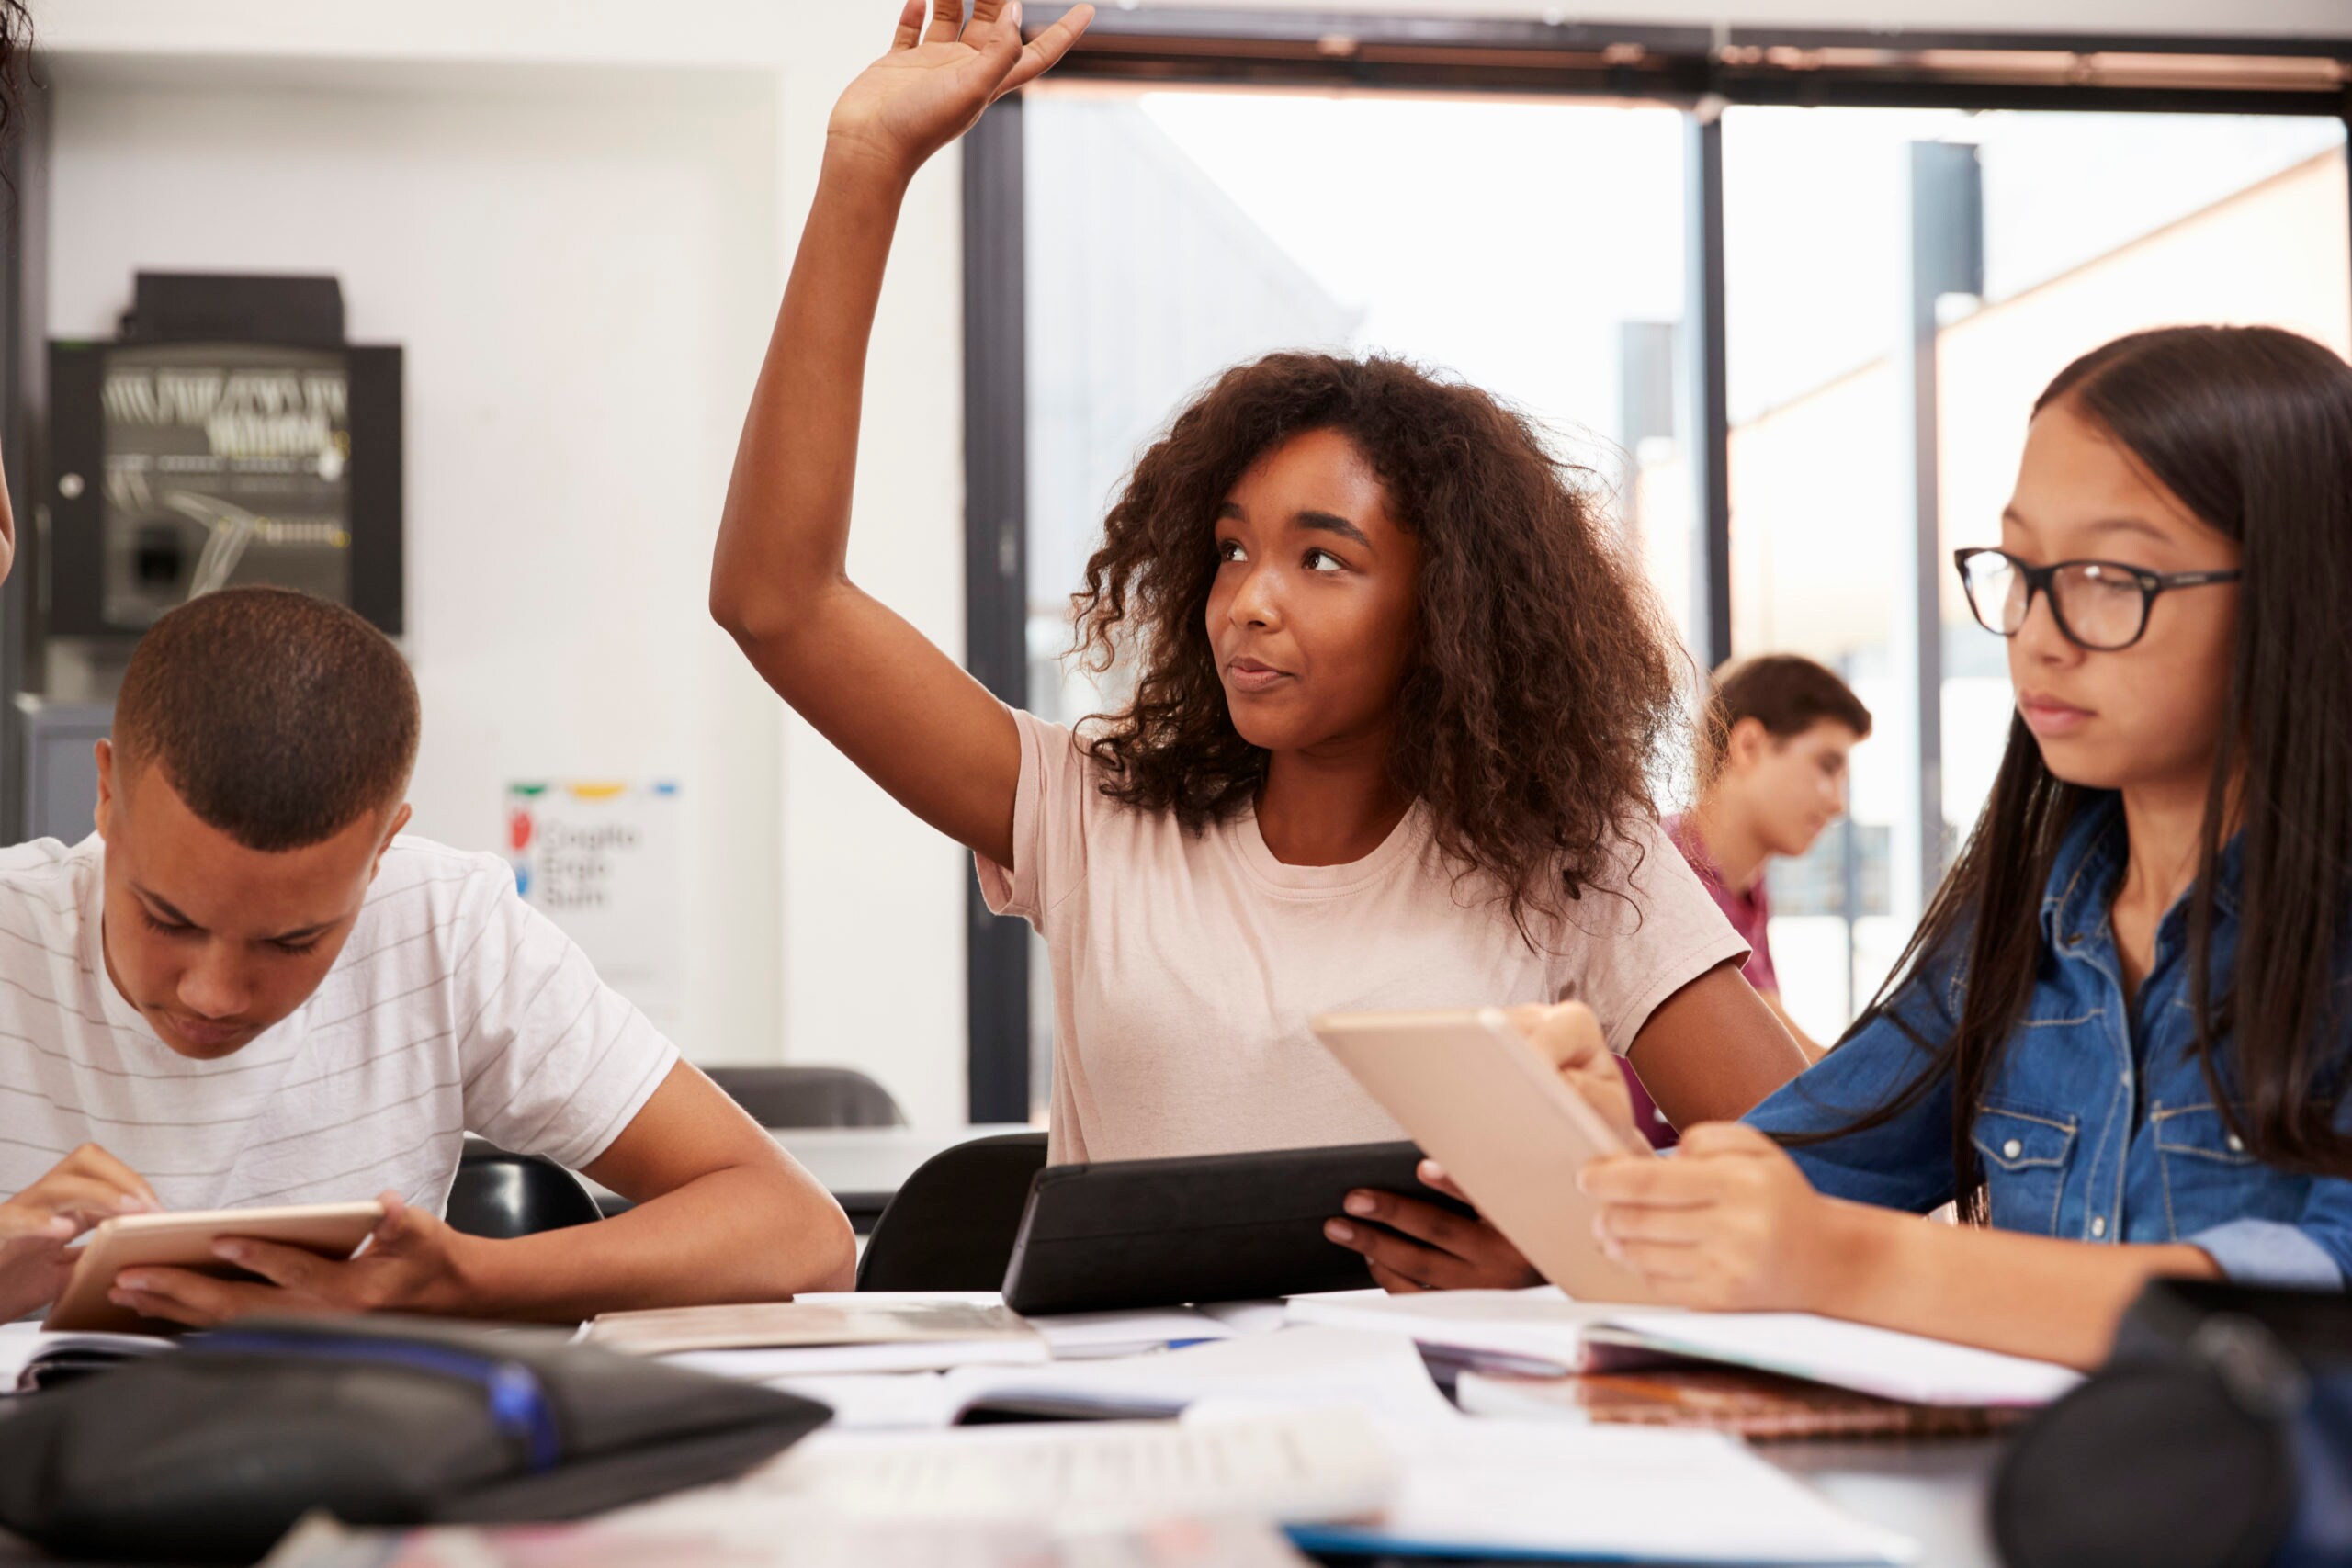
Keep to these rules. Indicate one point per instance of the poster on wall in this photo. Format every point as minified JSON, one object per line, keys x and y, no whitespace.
{"x":603,"y":861}
{"x":223,"y":464}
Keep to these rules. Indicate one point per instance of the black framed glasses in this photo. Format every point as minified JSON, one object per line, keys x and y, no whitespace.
{"x":2098,"y":605}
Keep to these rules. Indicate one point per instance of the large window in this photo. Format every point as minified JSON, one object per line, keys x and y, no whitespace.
{"x":2057,"y":233}
{"x":1797,"y":345}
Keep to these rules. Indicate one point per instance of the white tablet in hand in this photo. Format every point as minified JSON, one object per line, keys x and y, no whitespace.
{"x":185,"y":1241}
{"x":1487,"y":1104}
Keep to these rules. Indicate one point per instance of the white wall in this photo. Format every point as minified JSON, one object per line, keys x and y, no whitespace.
{"x":579,"y":282}
{"x":577,"y":214}
{"x":578,"y":226}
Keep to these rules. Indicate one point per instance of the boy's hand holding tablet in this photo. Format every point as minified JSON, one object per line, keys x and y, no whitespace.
{"x":412,"y":1262}
{"x":85,"y":1189}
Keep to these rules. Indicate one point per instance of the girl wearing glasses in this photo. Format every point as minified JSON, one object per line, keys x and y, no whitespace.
{"x":2120,"y":1034}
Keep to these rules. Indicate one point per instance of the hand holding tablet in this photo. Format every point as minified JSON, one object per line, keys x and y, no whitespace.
{"x":1491,"y":1106}
{"x":186,"y":1241}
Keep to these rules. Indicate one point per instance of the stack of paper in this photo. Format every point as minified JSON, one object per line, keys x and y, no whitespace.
{"x":1094,"y":1336}
{"x":709,"y":1529}
{"x":1619,"y":1494}
{"x":1540,"y":1327}
{"x":1844,"y":1355}
{"x":1294,"y":1466}
{"x":1458,"y":1488}
{"x":844,"y":1333}
{"x":1379,"y":1375}
{"x":1526,"y":1330}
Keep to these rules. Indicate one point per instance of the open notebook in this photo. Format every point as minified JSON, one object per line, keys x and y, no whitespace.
{"x":1530,"y":1332}
{"x":32,"y":1358}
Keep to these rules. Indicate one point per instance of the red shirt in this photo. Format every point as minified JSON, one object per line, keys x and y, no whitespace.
{"x":1749,"y":913}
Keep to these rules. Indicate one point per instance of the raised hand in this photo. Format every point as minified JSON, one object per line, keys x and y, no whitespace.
{"x":937,"y":79}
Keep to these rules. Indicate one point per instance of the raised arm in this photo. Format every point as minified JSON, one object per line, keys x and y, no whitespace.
{"x":903,"y":711}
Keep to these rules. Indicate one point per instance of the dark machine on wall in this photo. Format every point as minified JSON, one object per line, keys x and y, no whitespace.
{"x":228,"y":434}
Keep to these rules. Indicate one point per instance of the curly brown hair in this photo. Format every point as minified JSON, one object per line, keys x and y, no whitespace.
{"x":1539,"y":705}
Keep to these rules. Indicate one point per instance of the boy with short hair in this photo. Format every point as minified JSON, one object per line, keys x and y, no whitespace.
{"x":249,"y":989}
{"x":1780,"y":733}
{"x":1773,"y":749}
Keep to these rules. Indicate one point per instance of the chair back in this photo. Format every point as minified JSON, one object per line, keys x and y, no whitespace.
{"x":809,"y":1097}
{"x":951,"y":1224}
{"x":502,"y":1195}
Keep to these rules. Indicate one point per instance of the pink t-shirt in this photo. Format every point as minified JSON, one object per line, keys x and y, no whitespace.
{"x":1186,"y":965}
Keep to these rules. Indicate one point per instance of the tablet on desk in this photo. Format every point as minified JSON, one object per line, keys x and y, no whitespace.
{"x":1149,"y":1232}
{"x":185,"y":1241}
{"x":1492,"y":1110}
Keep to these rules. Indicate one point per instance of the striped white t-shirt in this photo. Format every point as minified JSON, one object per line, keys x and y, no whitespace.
{"x":455,"y":1007}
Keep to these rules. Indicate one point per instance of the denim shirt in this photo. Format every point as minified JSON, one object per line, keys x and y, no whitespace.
{"x":2097,"y":1124}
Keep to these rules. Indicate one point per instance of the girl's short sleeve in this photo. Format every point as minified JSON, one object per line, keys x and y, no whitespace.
{"x":1057,"y":792}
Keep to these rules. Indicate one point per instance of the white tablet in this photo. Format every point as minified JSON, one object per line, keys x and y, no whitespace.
{"x":185,"y":1241}
{"x":1487,"y":1104}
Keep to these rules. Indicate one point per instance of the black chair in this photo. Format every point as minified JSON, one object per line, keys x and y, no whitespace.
{"x":951,"y":1224}
{"x":809,"y":1097}
{"x":502,"y":1195}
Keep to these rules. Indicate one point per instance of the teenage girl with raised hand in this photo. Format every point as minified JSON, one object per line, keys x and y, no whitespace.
{"x":1397,"y":693}
{"x":2122,"y":1030}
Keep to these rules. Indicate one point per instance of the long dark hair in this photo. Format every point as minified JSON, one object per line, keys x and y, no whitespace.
{"x":2251,"y":427}
{"x":1543,"y":685}
{"x":15,"y":67}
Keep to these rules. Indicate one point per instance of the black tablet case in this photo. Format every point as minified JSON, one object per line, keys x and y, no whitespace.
{"x":1155,"y":1232}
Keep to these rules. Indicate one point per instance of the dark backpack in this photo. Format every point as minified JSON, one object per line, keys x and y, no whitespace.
{"x":2219,"y":1435}
{"x":210,"y":1452}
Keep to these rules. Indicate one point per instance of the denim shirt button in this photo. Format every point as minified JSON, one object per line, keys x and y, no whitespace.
{"x":2098,"y":1227}
{"x":2011,"y":1149}
{"x":2238,"y":1145}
